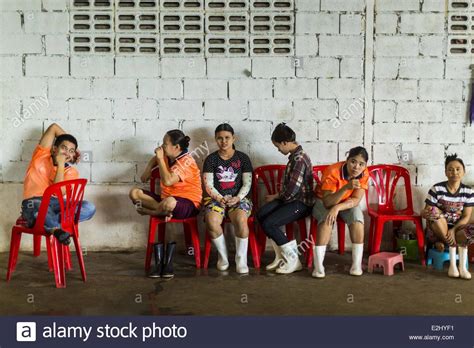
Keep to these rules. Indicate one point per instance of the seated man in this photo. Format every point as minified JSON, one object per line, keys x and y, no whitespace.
{"x":50,"y":164}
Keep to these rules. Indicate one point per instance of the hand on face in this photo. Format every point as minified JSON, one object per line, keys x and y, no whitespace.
{"x":159,"y":152}
{"x":60,"y":158}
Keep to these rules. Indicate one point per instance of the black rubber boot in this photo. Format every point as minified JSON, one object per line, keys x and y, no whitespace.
{"x":168,"y":264}
{"x":158,"y":252}
{"x":62,"y":236}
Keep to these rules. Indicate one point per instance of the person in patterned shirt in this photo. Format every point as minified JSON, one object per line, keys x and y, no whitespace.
{"x":293,"y":202}
{"x":228,"y":179}
{"x":447,"y":212}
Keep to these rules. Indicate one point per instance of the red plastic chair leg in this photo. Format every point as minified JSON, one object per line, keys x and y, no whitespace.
{"x":67,"y":258}
{"x":207,"y":250}
{"x":151,"y":240}
{"x":421,"y":240}
{"x":13,"y":257}
{"x":371,"y":234}
{"x":254,"y":246}
{"x":58,"y":265}
{"x":341,"y":236}
{"x":17,"y":248}
{"x":196,"y":244}
{"x":377,"y":241}
{"x":313,"y":231}
{"x":290,"y":231}
{"x":50,"y":260}
{"x":37,"y":245}
{"x":80,"y":258}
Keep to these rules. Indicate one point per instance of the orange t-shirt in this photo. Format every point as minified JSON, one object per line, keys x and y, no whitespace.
{"x":333,"y":179}
{"x":41,"y":173}
{"x":189,"y":185}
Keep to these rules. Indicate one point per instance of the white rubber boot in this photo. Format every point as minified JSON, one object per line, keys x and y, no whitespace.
{"x":222,"y":258}
{"x":319,"y":251}
{"x":278,"y":258}
{"x":357,"y":253}
{"x":291,"y":262}
{"x":453,"y":269}
{"x":241,"y":247}
{"x":463,"y":271}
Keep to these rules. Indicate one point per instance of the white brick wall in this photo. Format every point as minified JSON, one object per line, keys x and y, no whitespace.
{"x":69,"y":88}
{"x":415,"y":23}
{"x":161,"y":89}
{"x":114,"y":88}
{"x":228,"y":67}
{"x":137,"y":67}
{"x":47,"y":66}
{"x":46,"y":22}
{"x":119,"y":106}
{"x":183,"y":67}
{"x":100,"y":66}
{"x":273,"y":67}
{"x":312,"y":23}
{"x":250,"y":89}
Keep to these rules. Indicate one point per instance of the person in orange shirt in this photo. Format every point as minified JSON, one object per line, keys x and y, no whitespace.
{"x":52,"y":163}
{"x":342,"y":188}
{"x":181,"y":192}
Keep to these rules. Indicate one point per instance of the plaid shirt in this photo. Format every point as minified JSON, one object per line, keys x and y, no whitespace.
{"x":298,"y":180}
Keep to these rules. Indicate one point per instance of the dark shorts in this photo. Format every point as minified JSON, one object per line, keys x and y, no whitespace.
{"x":184,"y":209}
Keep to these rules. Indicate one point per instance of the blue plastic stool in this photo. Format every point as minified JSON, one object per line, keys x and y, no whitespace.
{"x":438,"y":258}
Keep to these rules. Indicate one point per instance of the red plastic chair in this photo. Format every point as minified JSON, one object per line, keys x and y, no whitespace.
{"x":385,"y":179}
{"x":272,"y":177}
{"x":253,"y":244}
{"x":341,"y":226}
{"x":70,"y":208}
{"x":190,"y":227}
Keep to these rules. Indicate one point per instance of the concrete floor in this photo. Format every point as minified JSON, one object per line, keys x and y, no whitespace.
{"x":116,"y":286}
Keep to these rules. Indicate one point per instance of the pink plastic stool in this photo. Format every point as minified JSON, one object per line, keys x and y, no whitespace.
{"x":385,"y":260}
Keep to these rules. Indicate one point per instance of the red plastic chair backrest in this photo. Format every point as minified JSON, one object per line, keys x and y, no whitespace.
{"x":318,"y":173}
{"x":384,"y":178}
{"x":272,"y":178}
{"x":155,"y":177}
{"x":70,"y":203}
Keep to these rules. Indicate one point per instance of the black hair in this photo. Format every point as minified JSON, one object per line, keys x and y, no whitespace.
{"x":358,"y":150}
{"x":225,"y":127}
{"x":65,"y":137}
{"x":177,"y":137}
{"x":452,"y":158}
{"x":283,"y":133}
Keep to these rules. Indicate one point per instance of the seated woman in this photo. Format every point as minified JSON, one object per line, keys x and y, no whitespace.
{"x":447,"y":212}
{"x":293,"y":202}
{"x":181,"y":192}
{"x":342,"y":188}
{"x":228,"y":179}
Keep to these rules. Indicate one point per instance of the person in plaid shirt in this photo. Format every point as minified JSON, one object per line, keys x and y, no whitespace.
{"x":293,"y":202}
